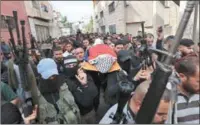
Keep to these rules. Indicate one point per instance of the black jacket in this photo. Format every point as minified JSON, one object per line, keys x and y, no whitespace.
{"x":84,"y":96}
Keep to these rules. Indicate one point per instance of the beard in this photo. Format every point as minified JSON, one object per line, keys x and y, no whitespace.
{"x":188,"y":87}
{"x":59,"y":59}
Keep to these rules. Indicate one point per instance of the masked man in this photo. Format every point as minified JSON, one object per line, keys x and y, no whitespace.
{"x":82,"y":87}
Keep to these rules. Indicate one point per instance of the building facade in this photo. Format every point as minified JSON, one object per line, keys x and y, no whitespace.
{"x":7,"y":8}
{"x":127,"y":16}
{"x":57,"y":25}
{"x":40,"y":16}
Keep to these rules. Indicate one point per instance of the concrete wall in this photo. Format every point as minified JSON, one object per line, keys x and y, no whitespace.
{"x":127,"y":19}
{"x":116,"y":17}
{"x":138,"y":11}
{"x":6,"y":9}
{"x":133,"y":28}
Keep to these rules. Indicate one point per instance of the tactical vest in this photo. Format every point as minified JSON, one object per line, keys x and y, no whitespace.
{"x":68,"y":110}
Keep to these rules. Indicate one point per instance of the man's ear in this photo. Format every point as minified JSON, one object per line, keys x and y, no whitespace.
{"x":182,"y":77}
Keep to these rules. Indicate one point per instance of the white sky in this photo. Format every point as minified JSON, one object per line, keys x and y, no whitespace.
{"x":74,"y":10}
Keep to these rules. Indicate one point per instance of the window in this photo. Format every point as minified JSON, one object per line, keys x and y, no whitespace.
{"x":35,"y":4}
{"x":3,"y":23}
{"x":111,"y":7}
{"x":96,"y":17}
{"x":101,"y":14}
{"x":44,"y":8}
{"x":112,"y":29}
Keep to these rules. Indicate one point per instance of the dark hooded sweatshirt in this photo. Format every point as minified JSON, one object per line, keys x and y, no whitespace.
{"x":84,"y":95}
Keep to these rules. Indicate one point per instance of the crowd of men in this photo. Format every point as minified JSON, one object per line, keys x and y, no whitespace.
{"x":72,"y":74}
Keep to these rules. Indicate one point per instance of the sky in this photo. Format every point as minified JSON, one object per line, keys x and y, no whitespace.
{"x":74,"y":10}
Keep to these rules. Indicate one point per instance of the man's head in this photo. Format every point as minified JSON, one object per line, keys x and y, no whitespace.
{"x":70,"y":65}
{"x":107,"y":40}
{"x":138,"y":42}
{"x":126,"y":45}
{"x":5,"y":50}
{"x":186,"y":47}
{"x":112,"y":46}
{"x":86,"y":43}
{"x":149,"y":39}
{"x":124,"y":60}
{"x":168,"y":42}
{"x":119,"y":45}
{"x":79,"y":53}
{"x":47,"y":68}
{"x":188,"y":70}
{"x":57,"y":54}
{"x":69,"y":47}
{"x":138,"y":97}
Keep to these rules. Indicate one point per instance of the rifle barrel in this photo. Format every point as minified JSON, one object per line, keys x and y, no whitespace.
{"x":11,"y":36}
{"x":17,"y":26}
{"x":181,"y":28}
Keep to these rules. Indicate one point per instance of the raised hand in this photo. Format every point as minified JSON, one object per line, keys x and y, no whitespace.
{"x":81,"y":76}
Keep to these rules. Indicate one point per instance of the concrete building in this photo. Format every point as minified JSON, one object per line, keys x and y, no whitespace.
{"x":57,"y":25}
{"x":64,"y":29}
{"x":126,"y":16}
{"x":6,"y":12}
{"x":40,"y":16}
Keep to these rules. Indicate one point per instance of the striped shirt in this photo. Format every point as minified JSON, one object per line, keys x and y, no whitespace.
{"x":188,"y":109}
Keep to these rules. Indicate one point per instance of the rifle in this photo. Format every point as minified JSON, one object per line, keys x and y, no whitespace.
{"x":144,"y":51}
{"x":17,"y":27}
{"x":28,"y":95}
{"x":125,"y":87}
{"x":157,"y":87}
{"x":33,"y":43}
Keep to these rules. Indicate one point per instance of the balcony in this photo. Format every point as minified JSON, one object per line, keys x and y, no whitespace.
{"x":39,"y":11}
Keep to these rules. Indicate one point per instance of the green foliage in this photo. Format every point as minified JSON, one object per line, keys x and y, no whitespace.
{"x":89,"y":26}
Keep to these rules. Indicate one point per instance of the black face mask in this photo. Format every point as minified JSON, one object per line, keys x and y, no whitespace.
{"x":125,"y":65}
{"x":70,"y":72}
{"x":51,"y":85}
